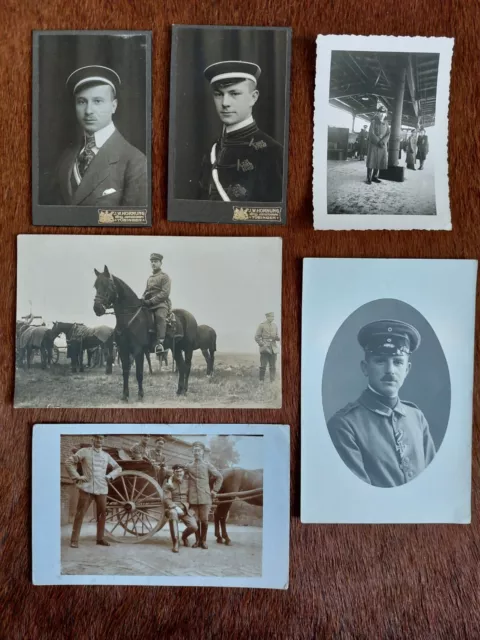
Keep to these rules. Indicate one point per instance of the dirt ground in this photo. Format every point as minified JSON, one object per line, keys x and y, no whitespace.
{"x":348,"y":193}
{"x":154,"y":557}
{"x":234,"y":384}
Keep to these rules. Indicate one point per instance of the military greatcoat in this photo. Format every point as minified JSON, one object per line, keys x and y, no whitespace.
{"x":384,"y":447}
{"x":378,"y":137}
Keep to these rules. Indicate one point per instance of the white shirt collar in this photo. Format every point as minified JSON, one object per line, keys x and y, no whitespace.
{"x":102,"y":135}
{"x":239,"y":125}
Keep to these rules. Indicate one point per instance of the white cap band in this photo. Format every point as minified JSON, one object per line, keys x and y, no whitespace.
{"x":94,"y":79}
{"x":234,"y":74}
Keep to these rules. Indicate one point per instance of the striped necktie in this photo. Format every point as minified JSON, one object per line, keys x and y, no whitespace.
{"x":86,"y":155}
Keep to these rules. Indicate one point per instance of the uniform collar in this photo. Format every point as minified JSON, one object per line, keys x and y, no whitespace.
{"x":239,"y":125}
{"x":373,"y":401}
{"x":102,"y":135}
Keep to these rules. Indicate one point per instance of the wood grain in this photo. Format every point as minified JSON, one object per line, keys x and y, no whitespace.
{"x":346,"y":581}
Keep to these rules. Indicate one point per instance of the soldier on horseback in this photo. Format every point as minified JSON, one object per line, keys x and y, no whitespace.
{"x":157,"y":299}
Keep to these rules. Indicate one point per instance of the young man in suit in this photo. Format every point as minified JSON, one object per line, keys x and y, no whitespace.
{"x":101,"y":169}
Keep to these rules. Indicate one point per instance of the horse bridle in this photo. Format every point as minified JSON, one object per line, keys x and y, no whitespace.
{"x":107,"y":304}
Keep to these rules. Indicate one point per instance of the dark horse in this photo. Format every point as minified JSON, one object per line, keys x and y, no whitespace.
{"x":80,"y":338}
{"x":235,"y":480}
{"x":133,"y":333}
{"x":207,"y":343}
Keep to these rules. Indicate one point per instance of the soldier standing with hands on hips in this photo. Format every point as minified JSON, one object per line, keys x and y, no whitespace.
{"x":200,"y":496}
{"x":267,"y":338}
{"x":92,"y":485}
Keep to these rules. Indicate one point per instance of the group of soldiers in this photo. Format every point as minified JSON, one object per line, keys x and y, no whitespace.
{"x":187,"y":493}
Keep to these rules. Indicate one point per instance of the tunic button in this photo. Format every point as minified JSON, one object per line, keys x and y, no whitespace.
{"x":406,"y":459}
{"x":409,"y":474}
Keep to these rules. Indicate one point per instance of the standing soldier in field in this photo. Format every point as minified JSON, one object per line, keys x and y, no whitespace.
{"x":200,"y":496}
{"x":157,"y":298}
{"x":267,"y":338}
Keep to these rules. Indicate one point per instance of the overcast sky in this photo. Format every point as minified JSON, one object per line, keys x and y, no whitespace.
{"x":227,"y":283}
{"x":250,"y":449}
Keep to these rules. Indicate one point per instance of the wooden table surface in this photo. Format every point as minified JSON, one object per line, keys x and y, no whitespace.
{"x":345,"y":581}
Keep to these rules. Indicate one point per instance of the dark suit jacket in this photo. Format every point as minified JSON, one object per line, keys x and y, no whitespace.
{"x":118,"y":165}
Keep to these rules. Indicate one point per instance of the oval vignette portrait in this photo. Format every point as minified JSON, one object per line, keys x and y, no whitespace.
{"x":386,"y":393}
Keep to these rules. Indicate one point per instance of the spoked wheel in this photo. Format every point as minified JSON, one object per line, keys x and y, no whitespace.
{"x":55,"y":354}
{"x":135,"y":509}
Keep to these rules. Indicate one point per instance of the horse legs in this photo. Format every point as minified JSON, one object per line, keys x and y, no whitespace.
{"x":80,"y":358}
{"x":181,"y":367}
{"x":125,"y":358}
{"x":139,"y":373}
{"x":108,"y":357}
{"x":221,"y":513}
{"x":149,"y":360}
{"x":29,"y":357}
{"x":188,"y":366}
{"x":207,"y":359}
{"x":212,"y":361}
{"x":43,"y":357}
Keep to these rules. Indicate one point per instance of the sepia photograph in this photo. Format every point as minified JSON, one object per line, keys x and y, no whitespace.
{"x":229,"y":108}
{"x":381,"y":131}
{"x":91,"y":133}
{"x":182,"y":504}
{"x":108,"y":321}
{"x":391,"y":408}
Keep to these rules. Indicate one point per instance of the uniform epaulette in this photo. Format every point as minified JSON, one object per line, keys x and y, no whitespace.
{"x":410,"y":404}
{"x":346,"y":409}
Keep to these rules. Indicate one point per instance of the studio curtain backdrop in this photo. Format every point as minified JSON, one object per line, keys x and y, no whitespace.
{"x":197,"y":124}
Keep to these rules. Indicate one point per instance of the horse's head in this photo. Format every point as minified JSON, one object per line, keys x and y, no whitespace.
{"x":106,"y":292}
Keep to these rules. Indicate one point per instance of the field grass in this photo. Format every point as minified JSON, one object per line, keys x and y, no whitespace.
{"x":234,"y":384}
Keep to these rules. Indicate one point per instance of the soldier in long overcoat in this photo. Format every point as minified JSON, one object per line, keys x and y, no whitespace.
{"x":412,"y":149}
{"x":377,"y":152}
{"x":422,"y":147}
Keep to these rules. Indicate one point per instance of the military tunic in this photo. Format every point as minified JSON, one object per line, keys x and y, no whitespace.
{"x":267,"y":337}
{"x":382,"y":446}
{"x":199,"y":473}
{"x":249,"y":165}
{"x":140,"y":452}
{"x":158,"y":291}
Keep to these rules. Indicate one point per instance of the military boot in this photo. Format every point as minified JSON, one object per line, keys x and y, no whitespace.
{"x":197,"y":538}
{"x":203,"y":535}
{"x":174,"y":534}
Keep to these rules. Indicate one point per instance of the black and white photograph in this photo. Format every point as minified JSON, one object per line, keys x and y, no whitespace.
{"x":111,"y":321}
{"x":180,"y":504}
{"x":91,"y":133}
{"x":229,"y":112}
{"x":381,"y":132}
{"x":392,"y":406}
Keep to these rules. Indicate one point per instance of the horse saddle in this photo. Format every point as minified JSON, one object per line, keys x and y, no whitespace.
{"x":172,"y":324}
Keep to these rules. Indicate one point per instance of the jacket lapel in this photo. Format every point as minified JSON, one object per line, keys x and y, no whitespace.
{"x":99,"y":168}
{"x":65,"y":173}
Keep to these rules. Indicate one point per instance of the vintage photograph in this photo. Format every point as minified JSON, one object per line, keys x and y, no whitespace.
{"x":395,"y":380}
{"x":229,"y":108}
{"x":381,"y":127}
{"x":169,"y":504}
{"x":91,"y":135}
{"x":150,"y":321}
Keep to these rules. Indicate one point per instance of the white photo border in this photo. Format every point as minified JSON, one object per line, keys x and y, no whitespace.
{"x":46,"y":559}
{"x":332,"y":290}
{"x":325,"y":45}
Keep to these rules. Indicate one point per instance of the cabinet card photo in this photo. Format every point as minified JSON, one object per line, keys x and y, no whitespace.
{"x":91,"y":134}
{"x":381,"y":133}
{"x":229,"y":107}
{"x":164,"y":321}
{"x":161,"y":504}
{"x":387,"y":379}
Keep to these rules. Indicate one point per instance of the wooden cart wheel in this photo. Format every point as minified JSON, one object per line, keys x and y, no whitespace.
{"x":135,"y":510}
{"x":55,"y":354}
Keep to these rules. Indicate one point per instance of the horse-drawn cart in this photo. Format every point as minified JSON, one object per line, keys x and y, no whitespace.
{"x":135,"y":510}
